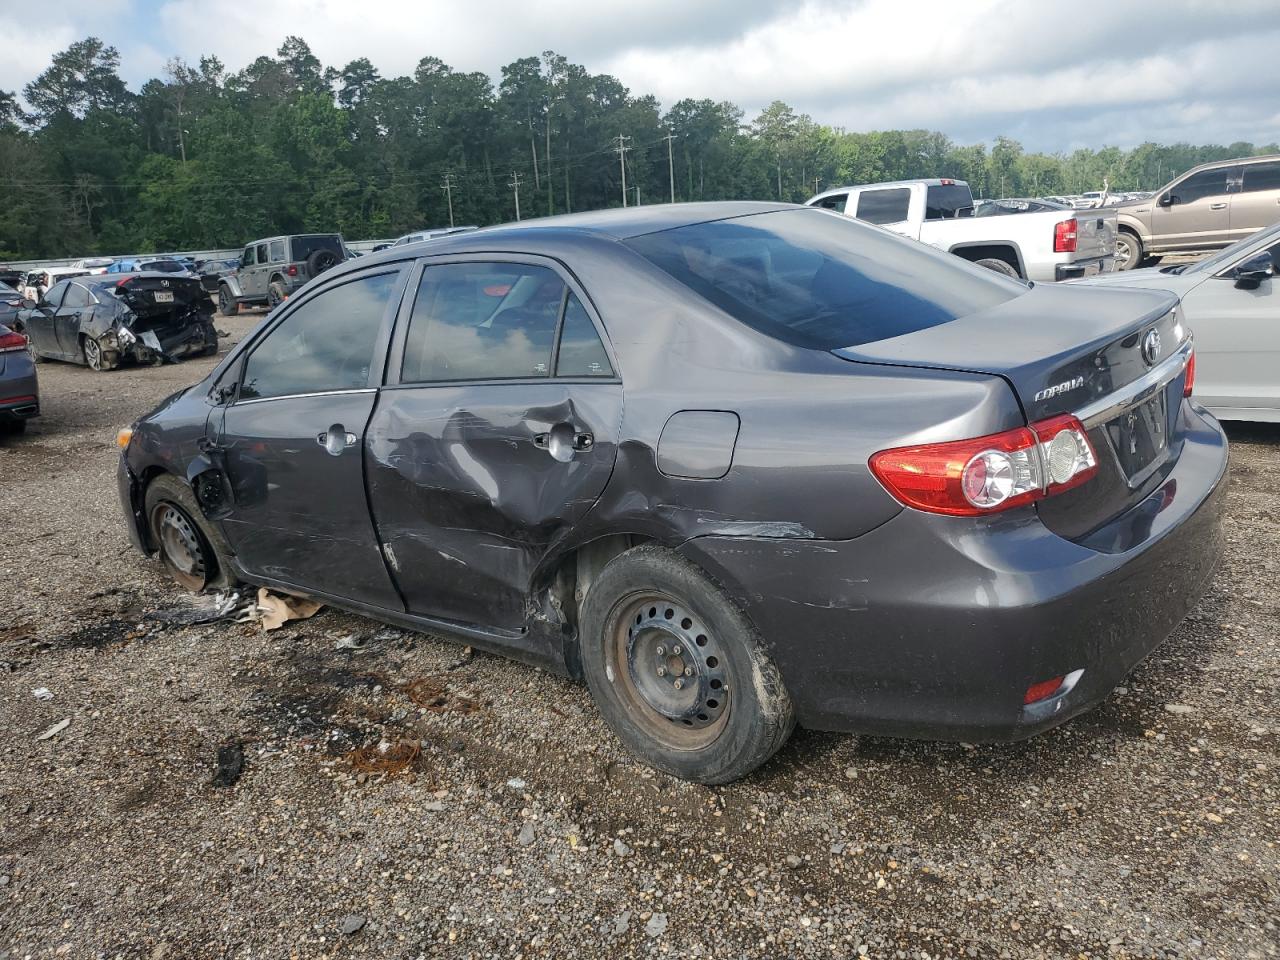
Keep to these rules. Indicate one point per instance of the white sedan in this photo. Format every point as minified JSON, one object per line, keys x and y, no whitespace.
{"x":1232,"y":305}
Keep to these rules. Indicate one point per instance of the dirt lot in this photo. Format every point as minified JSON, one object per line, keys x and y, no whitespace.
{"x":1146,"y":828}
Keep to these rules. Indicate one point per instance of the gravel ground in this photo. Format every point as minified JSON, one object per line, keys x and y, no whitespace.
{"x":1148,"y":827}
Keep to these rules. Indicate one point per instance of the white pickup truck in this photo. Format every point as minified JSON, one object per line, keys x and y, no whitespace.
{"x":1050,"y":245}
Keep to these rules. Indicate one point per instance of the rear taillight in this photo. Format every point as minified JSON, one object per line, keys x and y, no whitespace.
{"x":1043,"y":690}
{"x":1064,"y":236}
{"x":125,"y":282}
{"x":11,"y":342}
{"x":968,"y":478}
{"x":1189,"y":381}
{"x":293,"y":270}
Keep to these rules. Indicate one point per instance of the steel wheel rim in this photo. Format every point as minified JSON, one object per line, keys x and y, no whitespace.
{"x":180,"y":546}
{"x":670,"y":671}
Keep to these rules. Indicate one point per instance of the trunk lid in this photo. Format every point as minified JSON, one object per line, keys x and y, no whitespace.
{"x":1077,"y":350}
{"x":158,"y":298}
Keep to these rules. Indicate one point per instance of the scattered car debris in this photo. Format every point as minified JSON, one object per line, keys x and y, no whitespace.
{"x":274,"y":610}
{"x":42,"y":693}
{"x":229,"y":765}
{"x":386,"y":758}
{"x":434,"y":697}
{"x":353,"y":642}
{"x":515,"y":783}
{"x":56,"y":729}
{"x":192,"y":609}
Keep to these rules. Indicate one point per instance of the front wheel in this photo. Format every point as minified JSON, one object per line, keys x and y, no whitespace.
{"x":678,"y":672}
{"x":191,"y":550}
{"x":1128,"y":250}
{"x":227,"y":305}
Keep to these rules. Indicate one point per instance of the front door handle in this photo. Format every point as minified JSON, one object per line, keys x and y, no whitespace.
{"x":564,"y":440}
{"x":336,"y":439}
{"x":1217,"y":206}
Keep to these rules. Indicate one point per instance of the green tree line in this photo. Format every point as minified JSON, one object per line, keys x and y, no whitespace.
{"x":202,"y":157}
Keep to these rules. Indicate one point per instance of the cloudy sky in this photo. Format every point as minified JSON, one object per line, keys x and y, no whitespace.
{"x":1054,"y":75}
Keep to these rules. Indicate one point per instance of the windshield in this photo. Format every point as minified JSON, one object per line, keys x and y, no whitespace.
{"x":821,"y":280}
{"x":1223,"y":257}
{"x":164,"y":266}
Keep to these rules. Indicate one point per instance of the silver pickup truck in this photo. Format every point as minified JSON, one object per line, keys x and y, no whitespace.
{"x":1045,"y":246}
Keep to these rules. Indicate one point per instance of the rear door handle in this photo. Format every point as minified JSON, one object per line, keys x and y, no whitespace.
{"x":336,"y":439}
{"x":1217,"y":206}
{"x":562,"y":441}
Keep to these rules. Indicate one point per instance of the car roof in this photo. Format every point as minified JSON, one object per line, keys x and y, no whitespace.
{"x":924,"y":181}
{"x":619,"y":223}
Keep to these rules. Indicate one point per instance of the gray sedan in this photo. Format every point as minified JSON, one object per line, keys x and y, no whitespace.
{"x":738,"y":466}
{"x":1231,"y":302}
{"x":19,"y":389}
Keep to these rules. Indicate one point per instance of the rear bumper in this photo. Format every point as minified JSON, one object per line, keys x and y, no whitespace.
{"x":1084,"y":268}
{"x":19,"y":389}
{"x":934,"y":627}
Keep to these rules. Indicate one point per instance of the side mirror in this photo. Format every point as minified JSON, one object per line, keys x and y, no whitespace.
{"x":1250,"y":274}
{"x":1167,"y":200}
{"x":28,"y":303}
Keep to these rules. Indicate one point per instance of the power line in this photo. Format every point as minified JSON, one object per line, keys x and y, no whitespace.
{"x":622,"y":148}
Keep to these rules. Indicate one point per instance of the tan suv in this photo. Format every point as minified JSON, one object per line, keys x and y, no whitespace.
{"x":1207,"y":208}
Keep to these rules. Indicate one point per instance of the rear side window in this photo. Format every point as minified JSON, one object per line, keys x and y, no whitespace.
{"x":324,"y":344}
{"x":53,"y":296}
{"x":818,"y":281}
{"x":1261,"y":176}
{"x":277,"y":251}
{"x":483,"y":321}
{"x":77,"y":296}
{"x":581,"y":352}
{"x":946,"y":201}
{"x":884,"y":206}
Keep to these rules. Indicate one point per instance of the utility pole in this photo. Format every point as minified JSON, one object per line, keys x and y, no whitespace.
{"x":671,"y":165}
{"x":515,"y":186}
{"x":447,"y":187}
{"x":622,"y":149}
{"x":816,"y":181}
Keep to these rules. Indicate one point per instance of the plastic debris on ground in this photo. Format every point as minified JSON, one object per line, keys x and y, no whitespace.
{"x":56,"y":729}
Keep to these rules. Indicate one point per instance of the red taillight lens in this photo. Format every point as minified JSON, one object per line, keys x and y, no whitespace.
{"x":1064,"y":236}
{"x":1189,"y":382}
{"x":1042,"y":690}
{"x":9,"y":342}
{"x":293,"y":270}
{"x":125,"y":282}
{"x":967,"y":478}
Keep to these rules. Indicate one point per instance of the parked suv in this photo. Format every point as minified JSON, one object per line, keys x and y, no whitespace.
{"x":1207,"y":208}
{"x":272,"y":269}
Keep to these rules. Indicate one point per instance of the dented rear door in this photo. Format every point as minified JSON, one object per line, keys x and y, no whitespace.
{"x":495,"y":435}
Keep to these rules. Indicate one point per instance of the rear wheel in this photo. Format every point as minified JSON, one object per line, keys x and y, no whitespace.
{"x":94,"y":357}
{"x":1128,"y":250}
{"x":276,"y":295}
{"x":227,"y":305}
{"x":999,"y":266}
{"x":191,"y":550}
{"x":678,"y":672}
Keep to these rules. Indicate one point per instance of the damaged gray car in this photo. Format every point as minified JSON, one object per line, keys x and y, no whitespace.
{"x":736,"y":465}
{"x":101,"y":321}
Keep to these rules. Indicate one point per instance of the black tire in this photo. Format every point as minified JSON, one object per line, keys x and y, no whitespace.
{"x":227,"y":304}
{"x":999,"y":266}
{"x":1151,"y":261}
{"x":276,"y":294}
{"x":204,"y":563}
{"x":736,"y":711}
{"x":13,"y":426}
{"x":1129,"y":251}
{"x":321,"y":260}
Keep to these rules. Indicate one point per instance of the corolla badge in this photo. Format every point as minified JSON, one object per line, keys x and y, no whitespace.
{"x":1058,"y":389}
{"x":1151,"y":347}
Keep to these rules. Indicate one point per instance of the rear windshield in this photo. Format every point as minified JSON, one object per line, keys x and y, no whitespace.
{"x":820,"y":280}
{"x":947,"y":201}
{"x":163,"y":266}
{"x":303,"y":247}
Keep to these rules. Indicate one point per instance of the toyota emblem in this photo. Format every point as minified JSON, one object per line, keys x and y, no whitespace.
{"x":1151,"y":347}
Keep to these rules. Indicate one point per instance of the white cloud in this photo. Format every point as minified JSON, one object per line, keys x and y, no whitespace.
{"x":1056,"y":76}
